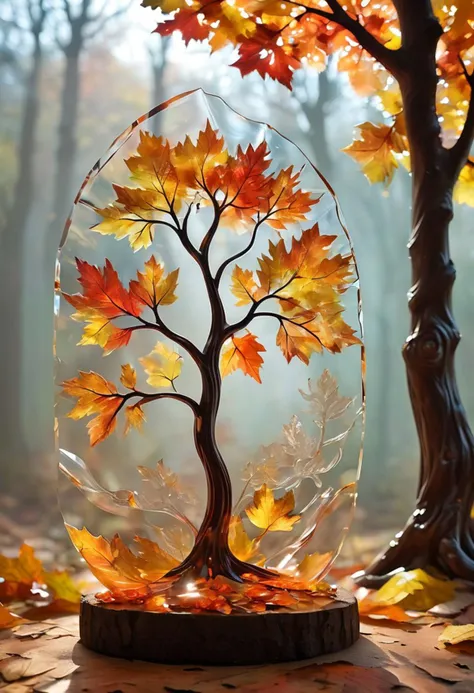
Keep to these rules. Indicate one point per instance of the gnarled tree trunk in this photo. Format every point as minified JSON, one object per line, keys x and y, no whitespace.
{"x":438,"y":534}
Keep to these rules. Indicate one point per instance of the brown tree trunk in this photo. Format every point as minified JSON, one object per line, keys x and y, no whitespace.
{"x":438,"y":534}
{"x":12,"y":247}
{"x":67,"y":147}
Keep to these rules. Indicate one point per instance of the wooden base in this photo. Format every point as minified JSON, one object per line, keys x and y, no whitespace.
{"x":207,"y":638}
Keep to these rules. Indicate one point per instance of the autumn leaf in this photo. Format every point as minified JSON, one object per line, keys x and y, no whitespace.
{"x":20,"y":575}
{"x":116,"y":566}
{"x":375,"y":151}
{"x":137,"y":211}
{"x":243,"y":548}
{"x":244,"y":286}
{"x":464,"y":188}
{"x":25,"y":569}
{"x":129,"y":376}
{"x":63,"y":586}
{"x":453,"y":635}
{"x":313,"y":565}
{"x":134,"y":417}
{"x":163,"y":366}
{"x":152,"y":287}
{"x":272,"y":515}
{"x":307,"y":281}
{"x":196,"y":161}
{"x":95,"y":396}
{"x":414,"y":590}
{"x":242,"y":353}
{"x":8,"y":619}
{"x":392,"y":612}
{"x":103,"y":299}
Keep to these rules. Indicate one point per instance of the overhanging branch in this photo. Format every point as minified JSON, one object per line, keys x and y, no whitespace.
{"x":390,"y":59}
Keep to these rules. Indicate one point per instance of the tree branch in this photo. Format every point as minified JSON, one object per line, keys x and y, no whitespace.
{"x":238,"y":255}
{"x":390,"y":59}
{"x":459,"y":154}
{"x":163,"y":329}
{"x":147,"y":398}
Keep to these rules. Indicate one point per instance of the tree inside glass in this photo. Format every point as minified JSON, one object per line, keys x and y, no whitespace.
{"x":209,"y":262}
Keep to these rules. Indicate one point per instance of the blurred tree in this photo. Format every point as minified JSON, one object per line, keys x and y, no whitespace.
{"x":425,"y":46}
{"x":158,"y":52}
{"x":12,"y":239}
{"x":84,"y":22}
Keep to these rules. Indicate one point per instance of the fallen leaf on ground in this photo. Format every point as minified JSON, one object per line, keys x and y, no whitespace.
{"x":452,"y":635}
{"x":413,"y":590}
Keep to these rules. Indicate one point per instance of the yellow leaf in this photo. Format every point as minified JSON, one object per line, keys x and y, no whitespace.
{"x":196,"y":161}
{"x":244,"y":353}
{"x":272,"y":515}
{"x":63,"y":586}
{"x":414,"y":590}
{"x":118,"y":568}
{"x":243,"y":286}
{"x":313,"y":565}
{"x":375,"y":151}
{"x":152,"y":287}
{"x":452,"y":635}
{"x":240,"y":543}
{"x":25,"y":569}
{"x":129,"y":376}
{"x":163,"y":366}
{"x":464,"y":188}
{"x":135,"y":417}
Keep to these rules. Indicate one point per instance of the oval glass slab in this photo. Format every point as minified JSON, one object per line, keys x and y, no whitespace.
{"x":210,"y":366}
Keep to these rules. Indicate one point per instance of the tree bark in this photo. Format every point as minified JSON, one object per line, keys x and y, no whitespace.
{"x":67,"y":147}
{"x":12,"y":246}
{"x":438,"y":534}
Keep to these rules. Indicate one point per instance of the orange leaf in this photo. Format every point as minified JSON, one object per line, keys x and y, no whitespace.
{"x":103,"y":299}
{"x":272,"y":515}
{"x":95,"y":395}
{"x":7,"y":619}
{"x":153,"y":288}
{"x":120,"y":570}
{"x":244,"y":353}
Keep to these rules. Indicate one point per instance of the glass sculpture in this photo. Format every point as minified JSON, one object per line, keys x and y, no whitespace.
{"x":209,"y":462}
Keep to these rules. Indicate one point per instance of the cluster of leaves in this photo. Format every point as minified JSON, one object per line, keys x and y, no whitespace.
{"x":276,"y":38}
{"x":24,"y":580}
{"x":166,"y":178}
{"x":306,"y":280}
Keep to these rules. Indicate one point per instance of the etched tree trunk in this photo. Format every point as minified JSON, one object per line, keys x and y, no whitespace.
{"x":438,"y":534}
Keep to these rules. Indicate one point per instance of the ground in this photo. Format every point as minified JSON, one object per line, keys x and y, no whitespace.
{"x":48,"y":658}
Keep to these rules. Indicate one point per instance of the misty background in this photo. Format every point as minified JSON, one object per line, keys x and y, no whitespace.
{"x":73,"y":75}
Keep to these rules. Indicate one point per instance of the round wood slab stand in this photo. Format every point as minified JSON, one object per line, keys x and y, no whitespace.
{"x":208,"y":638}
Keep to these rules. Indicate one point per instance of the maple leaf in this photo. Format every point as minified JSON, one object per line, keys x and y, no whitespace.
{"x":375,"y":151}
{"x":95,"y":396}
{"x":243,"y":548}
{"x":103,"y":299}
{"x":116,"y":566}
{"x":136,"y":211}
{"x":324,"y":399}
{"x":272,"y":515}
{"x":152,"y":287}
{"x":195,"y":162}
{"x":129,"y":376}
{"x":244,"y":353}
{"x":135,"y":417}
{"x":286,"y":203}
{"x":163,"y":488}
{"x":244,"y":286}
{"x":266,"y":59}
{"x":163,"y":366}
{"x":63,"y":586}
